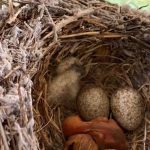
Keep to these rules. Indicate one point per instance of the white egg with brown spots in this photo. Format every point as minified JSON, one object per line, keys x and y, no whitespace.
{"x":127,"y":108}
{"x":92,"y":102}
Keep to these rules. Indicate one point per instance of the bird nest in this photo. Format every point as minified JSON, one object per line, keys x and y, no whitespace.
{"x":112,"y":42}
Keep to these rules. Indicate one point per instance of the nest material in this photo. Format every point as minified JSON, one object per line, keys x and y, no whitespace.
{"x":112,"y":42}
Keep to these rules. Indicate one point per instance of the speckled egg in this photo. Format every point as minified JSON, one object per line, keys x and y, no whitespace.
{"x":127,"y":108}
{"x":92,"y":102}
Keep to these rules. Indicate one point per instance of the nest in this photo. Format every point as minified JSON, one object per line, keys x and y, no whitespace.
{"x":112,"y":42}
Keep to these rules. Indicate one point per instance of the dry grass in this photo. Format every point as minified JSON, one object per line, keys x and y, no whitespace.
{"x":112,"y":42}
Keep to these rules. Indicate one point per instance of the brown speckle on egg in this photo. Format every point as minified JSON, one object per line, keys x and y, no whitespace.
{"x":127,"y":108}
{"x":92,"y":102}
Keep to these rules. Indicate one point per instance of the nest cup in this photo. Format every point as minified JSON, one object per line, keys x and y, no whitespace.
{"x":111,"y":42}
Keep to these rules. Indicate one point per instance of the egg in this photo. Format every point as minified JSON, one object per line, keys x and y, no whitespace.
{"x":127,"y":108}
{"x":64,"y":87}
{"x":92,"y":102}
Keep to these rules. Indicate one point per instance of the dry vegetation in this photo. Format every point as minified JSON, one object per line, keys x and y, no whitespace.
{"x":112,"y":42}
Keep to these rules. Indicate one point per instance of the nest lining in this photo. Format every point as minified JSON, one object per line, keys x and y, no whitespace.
{"x":111,"y":41}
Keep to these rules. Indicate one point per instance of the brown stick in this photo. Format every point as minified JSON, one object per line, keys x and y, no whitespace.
{"x":99,"y":35}
{"x":2,"y":132}
{"x":64,"y":22}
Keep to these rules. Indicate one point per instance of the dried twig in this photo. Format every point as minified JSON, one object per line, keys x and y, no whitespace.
{"x":12,"y":18}
{"x":53,"y":24}
{"x":97,"y":34}
{"x":64,"y":22}
{"x":12,"y":71}
{"x":3,"y":135}
{"x":11,"y":10}
{"x":140,"y":42}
